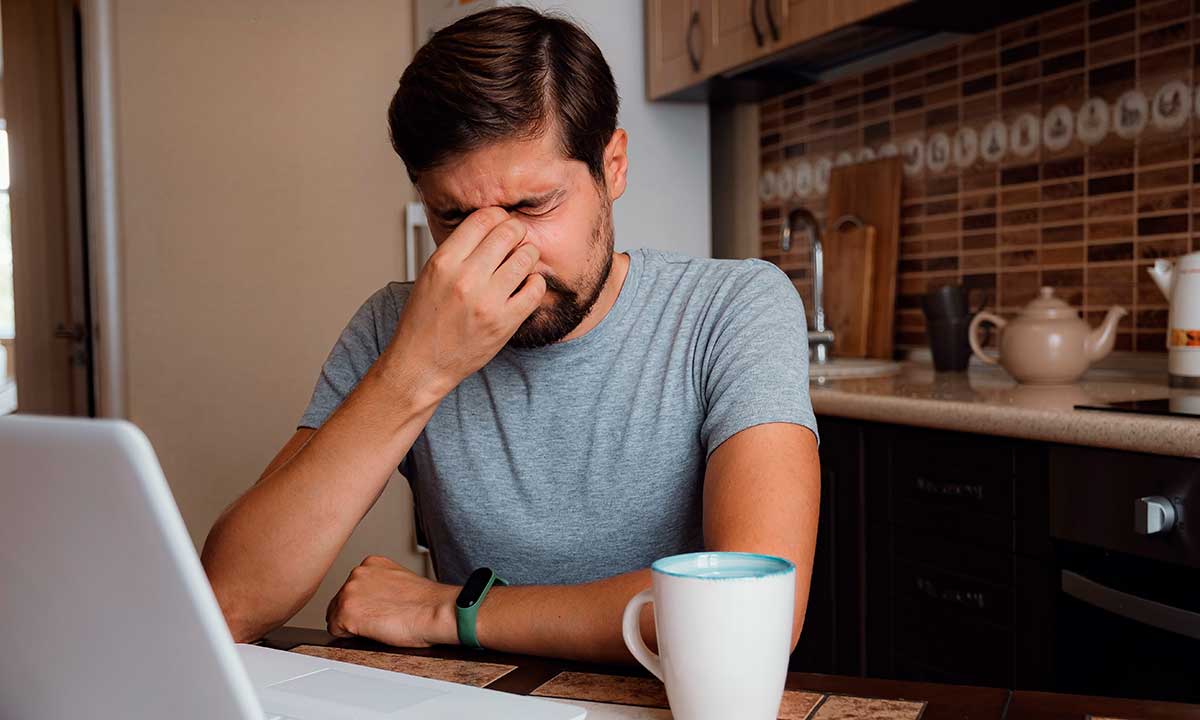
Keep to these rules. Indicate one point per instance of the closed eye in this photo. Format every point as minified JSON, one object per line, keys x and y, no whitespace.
{"x":538,"y":212}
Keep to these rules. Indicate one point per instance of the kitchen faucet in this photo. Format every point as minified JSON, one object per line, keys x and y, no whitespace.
{"x":820,"y":338}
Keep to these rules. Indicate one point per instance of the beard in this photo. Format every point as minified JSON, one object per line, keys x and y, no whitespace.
{"x":570,"y":303}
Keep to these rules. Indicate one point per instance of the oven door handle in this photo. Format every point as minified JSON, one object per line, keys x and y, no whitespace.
{"x":1132,"y":607}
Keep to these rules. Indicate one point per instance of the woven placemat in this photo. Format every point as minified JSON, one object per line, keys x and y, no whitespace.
{"x":847,"y":707}
{"x":463,"y":672}
{"x":649,"y":693}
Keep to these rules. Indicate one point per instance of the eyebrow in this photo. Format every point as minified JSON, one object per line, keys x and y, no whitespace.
{"x":454,"y":213}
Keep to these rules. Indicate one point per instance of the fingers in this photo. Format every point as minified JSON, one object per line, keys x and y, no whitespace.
{"x":333,"y":615}
{"x":467,"y":236}
{"x":493,"y":249}
{"x":379,"y":561}
{"x":515,"y":269}
{"x":522,"y":304}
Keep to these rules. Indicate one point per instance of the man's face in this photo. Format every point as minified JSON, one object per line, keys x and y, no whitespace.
{"x":568,"y":217}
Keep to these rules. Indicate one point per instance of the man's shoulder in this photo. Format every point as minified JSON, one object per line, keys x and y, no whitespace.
{"x":379,"y":314}
{"x":387,"y":301}
{"x":721,"y":275}
{"x":397,"y":291}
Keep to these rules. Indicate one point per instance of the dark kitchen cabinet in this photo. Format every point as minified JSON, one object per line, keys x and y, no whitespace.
{"x":832,"y":640}
{"x":945,"y":513}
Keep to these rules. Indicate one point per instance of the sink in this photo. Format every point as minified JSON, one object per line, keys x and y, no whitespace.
{"x":846,"y":368}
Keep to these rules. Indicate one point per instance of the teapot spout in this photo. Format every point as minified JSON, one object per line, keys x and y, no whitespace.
{"x":1162,"y":272}
{"x":1100,"y":341}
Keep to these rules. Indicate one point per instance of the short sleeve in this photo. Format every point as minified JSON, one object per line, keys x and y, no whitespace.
{"x":755,"y":363}
{"x":361,"y":342}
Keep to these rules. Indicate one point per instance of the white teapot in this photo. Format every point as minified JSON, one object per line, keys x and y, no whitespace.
{"x":1048,"y":343}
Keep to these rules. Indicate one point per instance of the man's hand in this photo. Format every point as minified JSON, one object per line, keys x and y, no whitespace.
{"x":386,"y":602}
{"x":466,"y":303}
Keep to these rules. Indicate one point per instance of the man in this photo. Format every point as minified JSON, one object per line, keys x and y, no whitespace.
{"x":564,"y":414}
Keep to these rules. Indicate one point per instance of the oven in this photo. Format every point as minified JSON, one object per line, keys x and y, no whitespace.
{"x":1125,"y":532}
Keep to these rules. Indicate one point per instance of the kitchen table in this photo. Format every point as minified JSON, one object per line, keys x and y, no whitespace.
{"x":854,"y":697}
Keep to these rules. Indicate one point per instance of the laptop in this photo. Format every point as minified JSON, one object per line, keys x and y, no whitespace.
{"x":107,"y":612}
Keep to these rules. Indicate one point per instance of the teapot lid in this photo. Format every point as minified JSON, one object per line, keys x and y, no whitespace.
{"x":1046,"y":305}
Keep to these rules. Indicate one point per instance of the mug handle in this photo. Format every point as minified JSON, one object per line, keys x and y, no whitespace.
{"x":632,"y":631}
{"x":973,"y":332}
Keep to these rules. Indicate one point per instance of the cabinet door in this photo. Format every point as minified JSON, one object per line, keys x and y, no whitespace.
{"x":805,"y":19}
{"x":740,"y":32}
{"x":677,"y":40}
{"x":832,"y":638}
{"x":847,"y":12}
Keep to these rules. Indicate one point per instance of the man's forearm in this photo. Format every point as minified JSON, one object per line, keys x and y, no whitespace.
{"x":578,"y":622}
{"x":267,"y":554}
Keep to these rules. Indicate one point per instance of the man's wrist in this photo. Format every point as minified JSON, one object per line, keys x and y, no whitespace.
{"x":445,"y":619}
{"x":423,"y":387}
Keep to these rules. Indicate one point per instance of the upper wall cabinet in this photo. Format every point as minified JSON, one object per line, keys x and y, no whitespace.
{"x":690,"y":41}
{"x":806,"y":19}
{"x":677,"y":45}
{"x":744,"y":30}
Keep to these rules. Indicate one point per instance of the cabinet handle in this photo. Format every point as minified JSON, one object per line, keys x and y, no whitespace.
{"x":973,"y":491}
{"x":758,"y":33}
{"x":972,"y":599}
{"x":693,"y":26}
{"x":771,"y":21}
{"x":1132,"y":607}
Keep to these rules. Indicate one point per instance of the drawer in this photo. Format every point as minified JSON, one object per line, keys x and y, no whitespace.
{"x":952,"y":557}
{"x":978,"y":650}
{"x":949,"y":596}
{"x":953,"y":471}
{"x":979,"y":529}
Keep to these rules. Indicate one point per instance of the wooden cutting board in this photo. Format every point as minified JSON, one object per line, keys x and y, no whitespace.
{"x":870,"y":191}
{"x":849,"y":287}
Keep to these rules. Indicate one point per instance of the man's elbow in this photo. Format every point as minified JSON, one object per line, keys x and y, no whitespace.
{"x":238,"y":611}
{"x":243,"y":625}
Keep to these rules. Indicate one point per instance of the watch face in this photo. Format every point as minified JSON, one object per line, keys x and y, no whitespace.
{"x":474,"y":588}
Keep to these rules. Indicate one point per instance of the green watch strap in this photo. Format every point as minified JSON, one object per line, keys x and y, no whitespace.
{"x":466,"y":608}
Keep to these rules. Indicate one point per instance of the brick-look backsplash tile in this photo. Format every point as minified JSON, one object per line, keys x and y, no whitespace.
{"x":1084,"y":218}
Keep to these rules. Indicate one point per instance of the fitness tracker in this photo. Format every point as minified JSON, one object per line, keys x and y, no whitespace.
{"x":466,"y":607}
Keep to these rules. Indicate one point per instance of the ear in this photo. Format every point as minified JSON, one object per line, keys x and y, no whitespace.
{"x":616,"y":163}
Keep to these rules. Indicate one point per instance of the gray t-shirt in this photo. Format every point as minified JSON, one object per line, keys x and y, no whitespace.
{"x":585,"y":459}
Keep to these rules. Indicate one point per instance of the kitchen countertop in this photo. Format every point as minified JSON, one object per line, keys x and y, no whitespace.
{"x":987,"y":401}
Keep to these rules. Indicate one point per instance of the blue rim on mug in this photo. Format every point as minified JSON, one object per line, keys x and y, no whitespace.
{"x":747,"y":566}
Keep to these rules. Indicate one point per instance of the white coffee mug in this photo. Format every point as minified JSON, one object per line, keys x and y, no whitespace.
{"x":724,"y":627}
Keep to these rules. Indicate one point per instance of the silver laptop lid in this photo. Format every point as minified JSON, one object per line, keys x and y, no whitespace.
{"x":107,"y":612}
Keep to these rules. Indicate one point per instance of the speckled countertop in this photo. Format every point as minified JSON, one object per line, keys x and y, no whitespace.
{"x":987,"y":401}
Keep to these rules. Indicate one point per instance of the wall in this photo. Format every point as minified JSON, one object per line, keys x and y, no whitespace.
{"x":666,"y":205}
{"x":733,"y":149}
{"x":1056,"y":200}
{"x":260,"y":205}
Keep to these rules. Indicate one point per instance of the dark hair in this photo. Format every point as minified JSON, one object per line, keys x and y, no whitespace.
{"x":504,"y":74}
